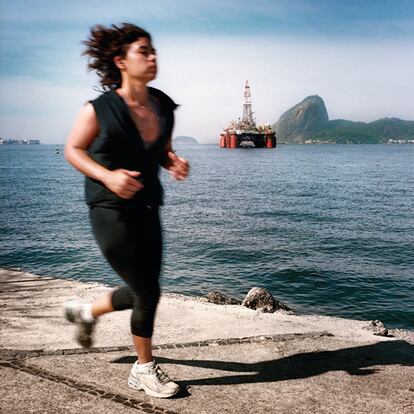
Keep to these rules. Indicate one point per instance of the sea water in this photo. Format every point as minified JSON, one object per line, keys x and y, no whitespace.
{"x":328,"y":229}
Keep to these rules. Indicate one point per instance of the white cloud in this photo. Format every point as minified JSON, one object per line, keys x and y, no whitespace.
{"x":360,"y":81}
{"x":39,"y":109}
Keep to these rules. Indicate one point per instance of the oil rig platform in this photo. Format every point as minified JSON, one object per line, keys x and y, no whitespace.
{"x":244,"y":133}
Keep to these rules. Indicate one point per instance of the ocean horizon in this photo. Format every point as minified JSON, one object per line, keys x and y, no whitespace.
{"x":327,"y":229}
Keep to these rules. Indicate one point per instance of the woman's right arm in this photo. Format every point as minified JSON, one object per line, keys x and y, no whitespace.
{"x":86,"y":128}
{"x":84,"y":131}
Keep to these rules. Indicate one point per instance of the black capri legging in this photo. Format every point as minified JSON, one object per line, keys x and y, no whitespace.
{"x":131,"y":241}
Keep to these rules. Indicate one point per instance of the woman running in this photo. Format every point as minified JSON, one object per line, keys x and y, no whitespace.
{"x":118,"y":142}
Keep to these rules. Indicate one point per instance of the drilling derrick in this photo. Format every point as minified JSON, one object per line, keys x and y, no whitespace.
{"x":244,"y":133}
{"x":247,"y":105}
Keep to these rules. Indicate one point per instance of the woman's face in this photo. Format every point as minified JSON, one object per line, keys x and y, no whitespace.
{"x":140,"y":61}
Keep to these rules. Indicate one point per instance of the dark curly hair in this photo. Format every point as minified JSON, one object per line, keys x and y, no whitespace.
{"x":104,"y":43}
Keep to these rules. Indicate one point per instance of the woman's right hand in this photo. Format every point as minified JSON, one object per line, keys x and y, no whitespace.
{"x":123,"y":182}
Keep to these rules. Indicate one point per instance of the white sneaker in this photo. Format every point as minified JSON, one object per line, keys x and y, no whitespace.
{"x":153,"y":380}
{"x":73,"y":310}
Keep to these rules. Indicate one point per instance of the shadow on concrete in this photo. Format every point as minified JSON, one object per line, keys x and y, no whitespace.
{"x":355,"y":361}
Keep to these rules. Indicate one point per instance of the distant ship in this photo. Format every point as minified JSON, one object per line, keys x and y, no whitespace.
{"x":244,"y":133}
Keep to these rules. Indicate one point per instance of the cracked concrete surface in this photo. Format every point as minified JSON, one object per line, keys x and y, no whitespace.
{"x":289,"y":365}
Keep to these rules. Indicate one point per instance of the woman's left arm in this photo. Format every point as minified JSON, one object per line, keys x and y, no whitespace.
{"x":177,"y":166}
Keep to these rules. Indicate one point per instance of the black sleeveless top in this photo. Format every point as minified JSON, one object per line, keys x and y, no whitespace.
{"x":120,"y":145}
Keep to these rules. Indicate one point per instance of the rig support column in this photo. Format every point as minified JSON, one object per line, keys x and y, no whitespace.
{"x":270,"y":140}
{"x":233,"y":141}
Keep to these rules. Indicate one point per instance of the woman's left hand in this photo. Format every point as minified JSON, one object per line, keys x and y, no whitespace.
{"x":178,"y":166}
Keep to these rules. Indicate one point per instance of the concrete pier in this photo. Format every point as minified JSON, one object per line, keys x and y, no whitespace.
{"x":227,"y":359}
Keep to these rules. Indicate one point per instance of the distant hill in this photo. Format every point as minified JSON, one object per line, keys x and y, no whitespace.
{"x":394,"y":128}
{"x":302,"y":121}
{"x":308,"y":121}
{"x":183,"y":140}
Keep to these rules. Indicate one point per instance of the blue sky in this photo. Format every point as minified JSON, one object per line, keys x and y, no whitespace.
{"x":357,"y":55}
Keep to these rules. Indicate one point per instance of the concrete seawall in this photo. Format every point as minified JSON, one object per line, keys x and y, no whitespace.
{"x":228,"y":359}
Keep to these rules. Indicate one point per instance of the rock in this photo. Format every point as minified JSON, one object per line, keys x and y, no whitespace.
{"x":377,"y":328}
{"x":302,"y":121}
{"x":261,"y":299}
{"x":308,"y":120}
{"x":184,"y":140}
{"x":220,"y":299}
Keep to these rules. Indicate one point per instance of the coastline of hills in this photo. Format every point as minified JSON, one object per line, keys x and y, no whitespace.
{"x":6,"y":141}
{"x":308,"y":123}
{"x":185,"y":140}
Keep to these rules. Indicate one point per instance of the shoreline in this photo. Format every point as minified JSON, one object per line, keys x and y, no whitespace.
{"x":180,"y":318}
{"x":298,"y":312}
{"x":226,"y":358}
